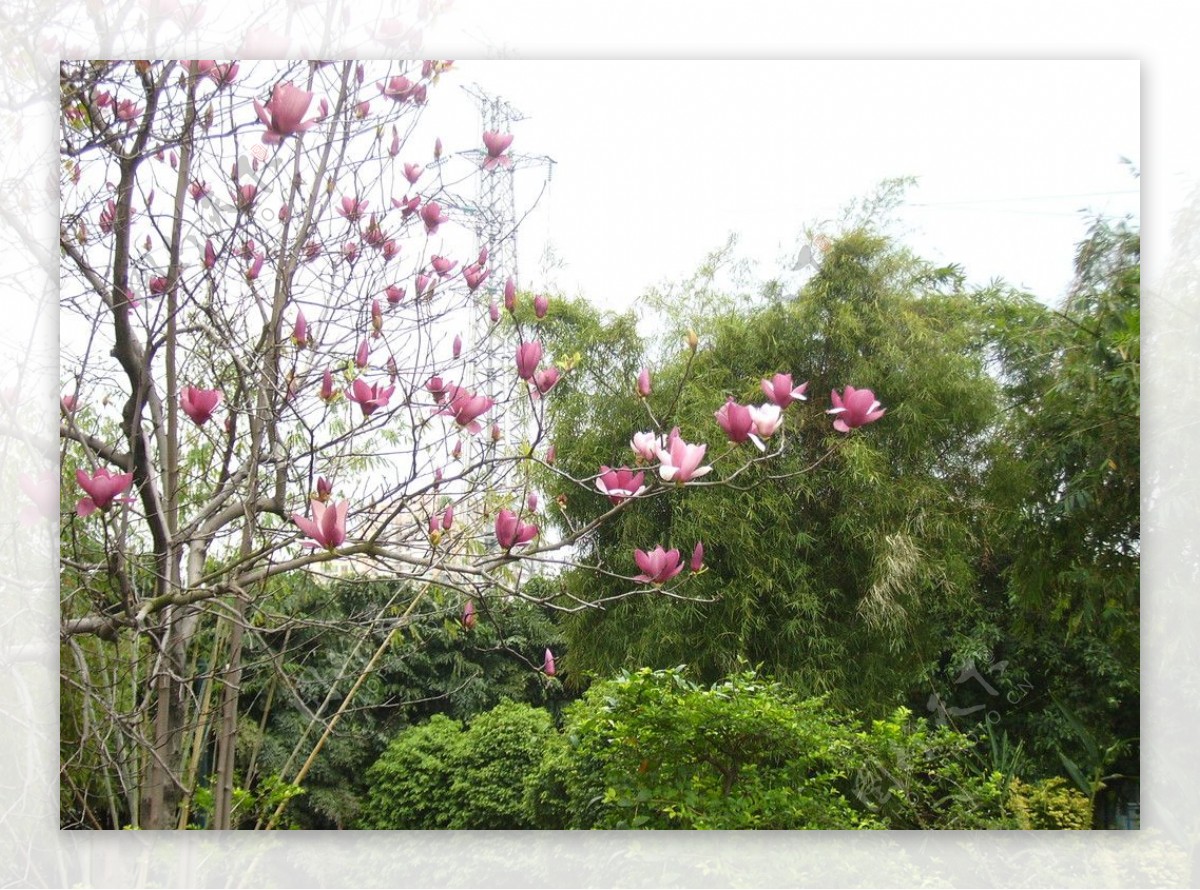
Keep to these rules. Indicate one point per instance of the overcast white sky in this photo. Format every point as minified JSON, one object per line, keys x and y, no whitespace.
{"x":658,"y":162}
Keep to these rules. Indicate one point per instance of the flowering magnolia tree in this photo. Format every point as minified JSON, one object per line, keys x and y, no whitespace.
{"x":280,"y":355}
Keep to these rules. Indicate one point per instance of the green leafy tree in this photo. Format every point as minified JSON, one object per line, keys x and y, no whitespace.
{"x":850,"y":566}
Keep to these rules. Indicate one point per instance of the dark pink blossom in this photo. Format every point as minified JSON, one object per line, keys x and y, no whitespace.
{"x":102,"y":488}
{"x":412,"y":172}
{"x":620,"y":484}
{"x":283,"y":113}
{"x":352,"y":208}
{"x":475,"y":276}
{"x":855,"y":408}
{"x":780,"y":391}
{"x":369,"y":397}
{"x":528,"y":356}
{"x":394,"y":293}
{"x":432,"y":216}
{"x":511,"y":532}
{"x":736,"y":421}
{"x":658,"y":566}
{"x":548,"y":664}
{"x":496,"y":144}
{"x":541,"y":305}
{"x":442,"y":266}
{"x":545,"y":380}
{"x":681,"y":461}
{"x":698,"y":557}
{"x":327,"y":528}
{"x":466,"y":407}
{"x":643,"y":382}
{"x":199,"y":404}
{"x":300,"y":330}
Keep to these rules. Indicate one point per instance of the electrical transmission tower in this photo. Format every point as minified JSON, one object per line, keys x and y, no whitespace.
{"x":495,"y":212}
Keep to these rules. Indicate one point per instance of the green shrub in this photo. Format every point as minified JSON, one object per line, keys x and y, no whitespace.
{"x":410,"y":785}
{"x":1051,"y":804}
{"x":654,"y":750}
{"x":436,"y":775}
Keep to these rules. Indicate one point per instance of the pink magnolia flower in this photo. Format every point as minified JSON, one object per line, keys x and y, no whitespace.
{"x":198,"y":189}
{"x":496,"y":144}
{"x":223,"y":74}
{"x":374,"y":235}
{"x":68,"y":404}
{"x":531,"y":502}
{"x":437,"y":148}
{"x":199,"y":404}
{"x":475,"y":276}
{"x":681,"y":462}
{"x":158,"y":285}
{"x":376,"y":318}
{"x":425,"y":285}
{"x":496,"y":434}
{"x":643,"y":382}
{"x":363,"y":354}
{"x":493,"y":312}
{"x":468,"y":615}
{"x":327,"y":393}
{"x":447,"y":519}
{"x":102,"y":488}
{"x":255,"y":268}
{"x":390,"y":249}
{"x":300,"y":329}
{"x":545,"y":380}
{"x":442,"y":266}
{"x":399,"y":89}
{"x":528,"y":356}
{"x":548,"y":664}
{"x":369,"y":396}
{"x":698,"y":557}
{"x":736,"y":421}
{"x":646,"y":445}
{"x":551,"y":454}
{"x":511,"y":532}
{"x":510,"y":294}
{"x":437,"y":389}
{"x":456,"y":347}
{"x":658,"y":566}
{"x":352,"y":208}
{"x":324,"y":489}
{"x":128,"y":112}
{"x":210,"y":254}
{"x":620,"y":484}
{"x":327,"y":528}
{"x":767,"y":419}
{"x":394,"y":148}
{"x":350,"y":251}
{"x":407,"y":206}
{"x":244,"y":196}
{"x":779,"y":390}
{"x":432,"y":216}
{"x":362,"y":109}
{"x":541,"y":305}
{"x":855,"y":407}
{"x":394,"y":293}
{"x":283,"y":113}
{"x":412,"y":172}
{"x":466,"y":407}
